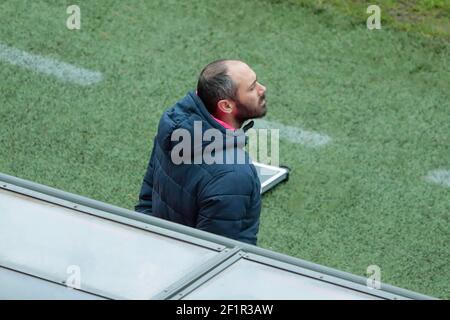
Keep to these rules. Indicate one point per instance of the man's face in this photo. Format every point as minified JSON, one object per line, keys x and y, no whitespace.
{"x":251,"y":95}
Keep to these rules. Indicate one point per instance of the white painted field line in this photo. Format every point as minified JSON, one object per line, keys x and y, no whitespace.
{"x":61,"y":70}
{"x":441,"y":177}
{"x":295,"y":134}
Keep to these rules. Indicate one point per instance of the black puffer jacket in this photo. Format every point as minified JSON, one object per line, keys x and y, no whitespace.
{"x":224,"y":199}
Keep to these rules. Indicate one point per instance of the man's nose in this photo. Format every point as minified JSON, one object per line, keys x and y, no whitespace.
{"x":262,"y":90}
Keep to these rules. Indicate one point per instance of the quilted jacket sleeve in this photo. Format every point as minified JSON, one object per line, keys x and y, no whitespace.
{"x":145,"y":196}
{"x":230,"y":205}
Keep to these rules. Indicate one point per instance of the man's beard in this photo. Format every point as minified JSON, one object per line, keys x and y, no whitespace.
{"x":247,"y":113}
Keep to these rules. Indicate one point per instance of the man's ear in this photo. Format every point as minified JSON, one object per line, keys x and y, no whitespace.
{"x":225,"y":106}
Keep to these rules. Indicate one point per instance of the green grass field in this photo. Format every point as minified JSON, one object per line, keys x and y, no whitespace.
{"x":430,"y":18}
{"x":382,"y":95}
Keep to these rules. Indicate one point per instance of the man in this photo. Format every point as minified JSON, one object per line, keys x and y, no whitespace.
{"x":221,"y":197}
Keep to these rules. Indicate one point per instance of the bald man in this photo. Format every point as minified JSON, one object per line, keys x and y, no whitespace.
{"x":215,"y":189}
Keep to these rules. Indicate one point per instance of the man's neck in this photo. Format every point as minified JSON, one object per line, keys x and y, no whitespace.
{"x":230,"y":122}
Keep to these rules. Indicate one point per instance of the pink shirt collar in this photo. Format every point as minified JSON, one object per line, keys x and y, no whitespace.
{"x":224,"y":124}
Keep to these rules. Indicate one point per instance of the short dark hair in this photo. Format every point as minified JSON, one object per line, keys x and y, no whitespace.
{"x":214,"y":84}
